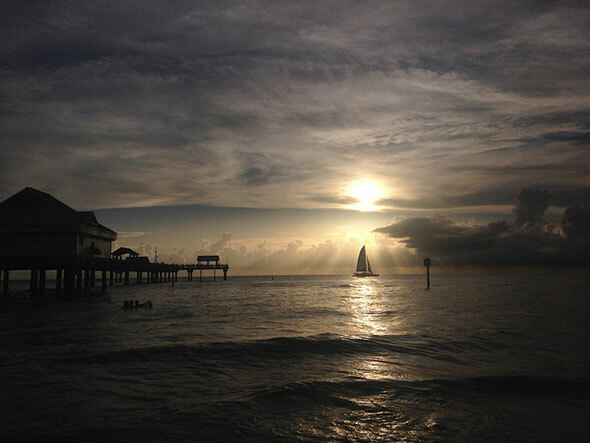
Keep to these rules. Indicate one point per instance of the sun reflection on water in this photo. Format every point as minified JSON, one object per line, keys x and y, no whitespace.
{"x":364,"y":309}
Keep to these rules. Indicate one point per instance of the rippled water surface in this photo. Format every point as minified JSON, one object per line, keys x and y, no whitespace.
{"x":315,"y":358}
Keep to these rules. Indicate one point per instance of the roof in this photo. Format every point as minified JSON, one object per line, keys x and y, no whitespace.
{"x":88,"y":216}
{"x":122,"y":251}
{"x":35,"y":210}
{"x":137,"y":260}
{"x":208,"y":258}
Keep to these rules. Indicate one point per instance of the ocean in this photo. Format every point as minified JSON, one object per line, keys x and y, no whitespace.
{"x":334,"y":358}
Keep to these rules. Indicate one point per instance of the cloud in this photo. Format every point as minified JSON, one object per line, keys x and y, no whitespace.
{"x":530,"y":206}
{"x":331,"y":256}
{"x":525,"y":241}
{"x":262,"y":104}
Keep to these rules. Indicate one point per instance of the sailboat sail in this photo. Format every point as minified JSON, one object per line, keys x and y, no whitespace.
{"x":361,"y":264}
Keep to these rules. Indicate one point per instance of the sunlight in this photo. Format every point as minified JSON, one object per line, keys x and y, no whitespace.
{"x":366,"y":193}
{"x":363,"y":310}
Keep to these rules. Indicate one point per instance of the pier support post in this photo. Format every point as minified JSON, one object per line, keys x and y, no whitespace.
{"x":5,"y":282}
{"x":34,"y":282}
{"x":42,"y":274}
{"x":225,"y":274}
{"x":103,"y":279}
{"x":214,"y":275}
{"x":58,"y":275}
{"x":200,"y":275}
{"x":138,"y":280}
{"x":78,"y":280}
{"x":86,"y":281}
{"x":175,"y":275}
{"x":69,"y":276}
{"x":92,"y":277}
{"x":111,"y":278}
{"x":126,"y":278}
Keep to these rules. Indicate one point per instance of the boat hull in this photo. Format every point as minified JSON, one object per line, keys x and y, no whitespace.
{"x":364,"y":274}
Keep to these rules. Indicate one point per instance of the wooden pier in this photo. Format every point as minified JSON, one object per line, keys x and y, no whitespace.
{"x":38,"y":233}
{"x":205,"y":263}
{"x":76,"y":277}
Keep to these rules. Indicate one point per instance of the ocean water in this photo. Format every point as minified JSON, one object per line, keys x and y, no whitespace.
{"x":476,"y":358}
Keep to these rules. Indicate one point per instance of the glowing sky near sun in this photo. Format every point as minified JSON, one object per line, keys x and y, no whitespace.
{"x":401,"y":109}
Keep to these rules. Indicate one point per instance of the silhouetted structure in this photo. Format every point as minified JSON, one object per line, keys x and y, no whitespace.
{"x":119,"y":253}
{"x":40,"y":233}
{"x":363,"y":265}
{"x":206,"y":262}
{"x":427,"y":263}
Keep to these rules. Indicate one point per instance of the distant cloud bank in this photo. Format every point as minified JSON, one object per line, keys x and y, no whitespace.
{"x":527,"y":240}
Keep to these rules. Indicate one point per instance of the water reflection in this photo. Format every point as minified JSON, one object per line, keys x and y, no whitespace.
{"x":364,"y":307}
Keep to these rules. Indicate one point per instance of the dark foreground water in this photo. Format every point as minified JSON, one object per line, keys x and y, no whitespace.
{"x":304,"y":358}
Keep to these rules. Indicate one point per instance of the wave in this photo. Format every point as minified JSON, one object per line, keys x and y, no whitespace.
{"x":317,"y":346}
{"x":335,"y":392}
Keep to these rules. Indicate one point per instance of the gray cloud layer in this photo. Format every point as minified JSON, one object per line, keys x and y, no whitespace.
{"x":282,"y":104}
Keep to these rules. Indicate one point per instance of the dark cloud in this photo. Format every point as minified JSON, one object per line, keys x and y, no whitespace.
{"x":576,"y":224}
{"x":531,"y":204}
{"x":501,"y":195}
{"x":525,"y":241}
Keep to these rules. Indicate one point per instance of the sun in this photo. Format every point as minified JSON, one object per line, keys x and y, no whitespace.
{"x":366,"y":193}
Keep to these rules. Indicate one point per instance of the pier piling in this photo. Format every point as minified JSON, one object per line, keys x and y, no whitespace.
{"x":58,"y":282}
{"x":34,"y":282}
{"x":42,"y":275}
{"x":5,"y":283}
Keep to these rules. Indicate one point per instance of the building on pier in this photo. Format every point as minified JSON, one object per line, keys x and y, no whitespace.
{"x":34,"y":224}
{"x":40,"y":233}
{"x":120,"y":252}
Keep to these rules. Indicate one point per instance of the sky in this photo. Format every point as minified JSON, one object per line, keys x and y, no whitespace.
{"x":285,"y":135}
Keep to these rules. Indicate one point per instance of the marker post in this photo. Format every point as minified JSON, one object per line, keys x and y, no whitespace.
{"x":427,"y":263}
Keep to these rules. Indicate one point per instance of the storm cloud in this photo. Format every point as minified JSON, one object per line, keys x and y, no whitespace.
{"x":527,"y":240}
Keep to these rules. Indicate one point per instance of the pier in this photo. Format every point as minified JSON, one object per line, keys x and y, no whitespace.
{"x":40,"y":234}
{"x":206,"y":262}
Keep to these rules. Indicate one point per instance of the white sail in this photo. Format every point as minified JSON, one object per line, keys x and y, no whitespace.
{"x":361,"y":264}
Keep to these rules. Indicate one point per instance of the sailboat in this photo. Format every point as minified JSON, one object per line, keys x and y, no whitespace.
{"x":363,"y":266}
